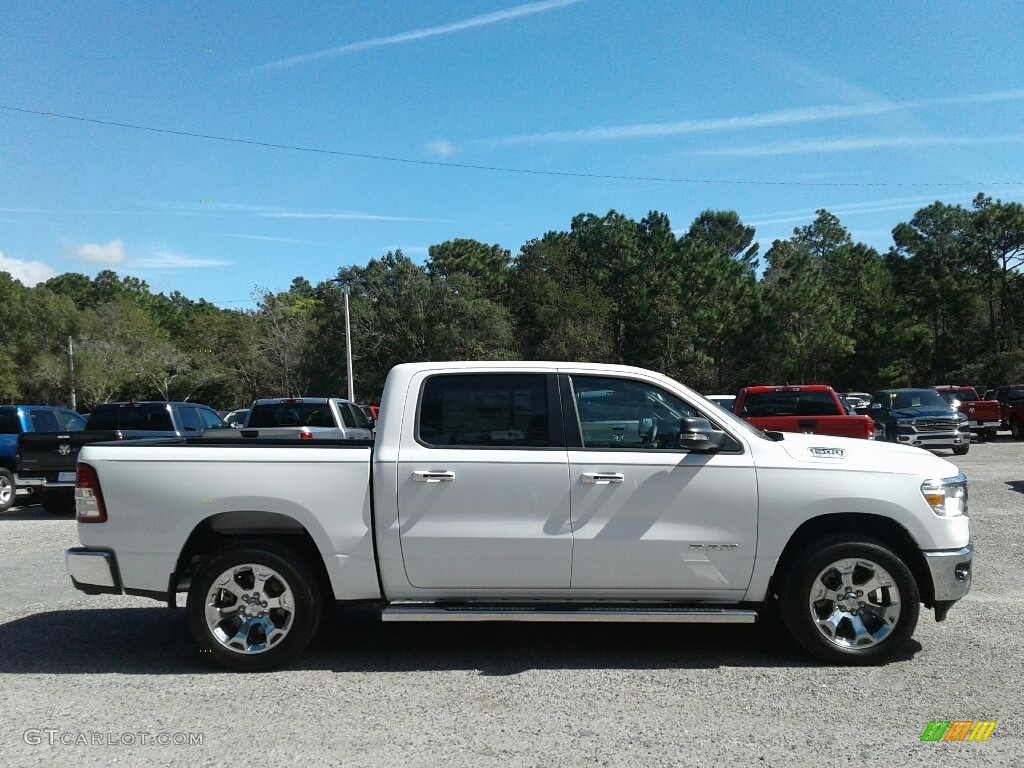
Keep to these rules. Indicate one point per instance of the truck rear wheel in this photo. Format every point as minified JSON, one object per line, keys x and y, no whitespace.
{"x":849,"y":601}
{"x":254,"y":606}
{"x":1015,"y":430}
{"x":8,"y":489}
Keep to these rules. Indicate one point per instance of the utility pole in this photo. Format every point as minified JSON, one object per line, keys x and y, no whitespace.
{"x":71,"y":361}
{"x":348,"y":348}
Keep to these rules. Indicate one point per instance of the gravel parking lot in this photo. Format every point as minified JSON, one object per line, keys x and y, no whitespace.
{"x":109,"y":670}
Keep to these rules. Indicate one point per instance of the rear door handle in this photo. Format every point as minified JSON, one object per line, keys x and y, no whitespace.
{"x":603,"y":478}
{"x":428,"y":476}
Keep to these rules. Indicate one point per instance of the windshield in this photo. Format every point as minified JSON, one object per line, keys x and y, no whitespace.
{"x":918,"y":398}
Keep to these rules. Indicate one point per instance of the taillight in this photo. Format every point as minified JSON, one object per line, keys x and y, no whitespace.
{"x":871,"y":429}
{"x":89,"y":506}
{"x":306,"y":436}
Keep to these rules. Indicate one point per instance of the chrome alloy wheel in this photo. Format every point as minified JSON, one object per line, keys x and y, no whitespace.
{"x":854,"y":603}
{"x":250,"y":608}
{"x":6,"y":491}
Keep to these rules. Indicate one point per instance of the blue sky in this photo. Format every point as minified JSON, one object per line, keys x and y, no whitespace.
{"x":771,"y":110}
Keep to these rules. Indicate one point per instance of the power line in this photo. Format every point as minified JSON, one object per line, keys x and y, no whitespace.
{"x":501,"y":169}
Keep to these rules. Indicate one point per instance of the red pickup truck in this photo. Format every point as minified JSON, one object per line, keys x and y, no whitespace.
{"x":1010,"y":399}
{"x":811,"y":408}
{"x":983,"y":416}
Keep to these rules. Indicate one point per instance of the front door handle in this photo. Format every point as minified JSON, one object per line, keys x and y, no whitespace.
{"x":428,"y":476}
{"x":603,"y":478}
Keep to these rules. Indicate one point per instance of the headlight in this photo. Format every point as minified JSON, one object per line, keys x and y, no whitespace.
{"x":904,"y":422}
{"x":946,"y":497}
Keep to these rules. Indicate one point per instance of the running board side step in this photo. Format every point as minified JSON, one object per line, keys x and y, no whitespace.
{"x":412,"y":611}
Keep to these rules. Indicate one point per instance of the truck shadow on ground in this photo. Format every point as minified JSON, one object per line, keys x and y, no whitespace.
{"x":155,"y":641}
{"x":29,"y":511}
{"x":1016,"y":485}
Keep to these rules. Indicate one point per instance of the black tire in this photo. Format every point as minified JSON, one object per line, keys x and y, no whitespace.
{"x":8,"y":489}
{"x":961,"y":450}
{"x":297,"y":622}
{"x":991,"y":434}
{"x":867,"y":559}
{"x":56,"y":501}
{"x":1015,"y":430}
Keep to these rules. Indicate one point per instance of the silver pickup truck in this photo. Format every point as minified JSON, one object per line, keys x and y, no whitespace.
{"x":306,"y":418}
{"x":530,"y":491}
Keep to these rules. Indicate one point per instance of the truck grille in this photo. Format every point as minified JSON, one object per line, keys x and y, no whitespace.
{"x":935,"y":425}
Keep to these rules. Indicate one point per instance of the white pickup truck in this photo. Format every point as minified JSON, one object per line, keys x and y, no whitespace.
{"x":525,"y":491}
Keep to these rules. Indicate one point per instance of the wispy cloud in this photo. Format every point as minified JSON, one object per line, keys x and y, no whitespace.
{"x":164,"y":259}
{"x":108,"y":255}
{"x":441,"y":148}
{"x":496,"y":17}
{"x":823,"y":146}
{"x":337,"y":215}
{"x":794,"y":215}
{"x":771,"y":119}
{"x":28,"y":272}
{"x":266,"y":238}
{"x":270,"y":212}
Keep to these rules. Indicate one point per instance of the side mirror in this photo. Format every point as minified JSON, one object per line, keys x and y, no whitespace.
{"x":876,"y":406}
{"x":696,"y":434}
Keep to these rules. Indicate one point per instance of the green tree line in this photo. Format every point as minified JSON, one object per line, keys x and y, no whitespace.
{"x":944,"y":304}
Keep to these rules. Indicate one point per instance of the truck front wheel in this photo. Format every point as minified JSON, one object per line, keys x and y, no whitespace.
{"x":849,"y":601}
{"x":254,"y":606}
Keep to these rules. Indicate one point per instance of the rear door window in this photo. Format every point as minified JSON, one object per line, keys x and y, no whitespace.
{"x":485,"y":411}
{"x":10,"y":424}
{"x":44,"y":421}
{"x":70,"y":422}
{"x":190,"y":421}
{"x":210,"y":419}
{"x":359,"y":420}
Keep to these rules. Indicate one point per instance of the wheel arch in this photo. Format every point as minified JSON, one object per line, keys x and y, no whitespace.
{"x":875,"y":527}
{"x":226,"y":529}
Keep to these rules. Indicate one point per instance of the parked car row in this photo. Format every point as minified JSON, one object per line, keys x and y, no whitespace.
{"x":39,"y":445}
{"x":944,"y":416}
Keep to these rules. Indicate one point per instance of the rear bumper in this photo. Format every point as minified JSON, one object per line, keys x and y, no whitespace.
{"x":951,"y":576}
{"x":93,"y":571}
{"x":977,"y":424}
{"x":45,"y":481}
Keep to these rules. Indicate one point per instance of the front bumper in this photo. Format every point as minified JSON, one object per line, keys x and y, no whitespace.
{"x":951,"y":576}
{"x":934,"y":439}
